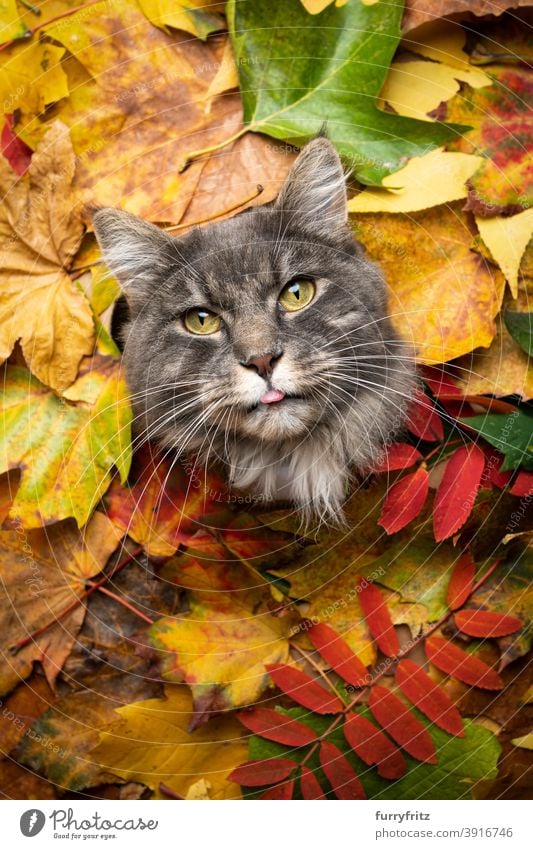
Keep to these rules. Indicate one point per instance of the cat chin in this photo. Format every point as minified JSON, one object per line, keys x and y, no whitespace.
{"x":312,"y":474}
{"x":290,"y":419}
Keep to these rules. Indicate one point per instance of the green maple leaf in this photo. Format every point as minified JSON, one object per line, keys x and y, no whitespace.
{"x":299,"y":71}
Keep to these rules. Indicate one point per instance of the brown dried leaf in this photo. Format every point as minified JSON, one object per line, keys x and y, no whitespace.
{"x":44,"y":571}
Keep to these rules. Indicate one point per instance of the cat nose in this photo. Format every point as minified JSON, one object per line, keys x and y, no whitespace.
{"x":264,"y":365}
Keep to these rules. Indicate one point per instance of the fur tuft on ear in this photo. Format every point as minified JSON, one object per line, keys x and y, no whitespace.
{"x":133,"y":250}
{"x":314,"y":193}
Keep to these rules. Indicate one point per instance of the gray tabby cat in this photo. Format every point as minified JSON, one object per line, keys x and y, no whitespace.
{"x":264,"y":340}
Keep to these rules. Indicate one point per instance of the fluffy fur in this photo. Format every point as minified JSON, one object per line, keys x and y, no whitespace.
{"x":346,"y":374}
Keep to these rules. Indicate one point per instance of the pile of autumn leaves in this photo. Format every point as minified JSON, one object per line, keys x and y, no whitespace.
{"x":119,"y":98}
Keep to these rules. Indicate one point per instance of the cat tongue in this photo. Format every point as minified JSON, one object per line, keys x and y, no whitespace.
{"x":272,"y":396}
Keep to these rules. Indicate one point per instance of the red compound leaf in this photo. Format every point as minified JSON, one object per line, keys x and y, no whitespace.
{"x":378,"y":618}
{"x":259,"y":773}
{"x":404,"y":501}
{"x":275,"y":726}
{"x":338,"y":654}
{"x":303,"y":690}
{"x":403,"y":727}
{"x":440,"y":383}
{"x":483,"y":623}
{"x":399,"y":455}
{"x":492,"y":474}
{"x":340,"y":774}
{"x":461,"y":581}
{"x":457,"y":491}
{"x":373,"y":747}
{"x":309,"y":785}
{"x":281,"y":791}
{"x":428,"y":697}
{"x":423,"y":419}
{"x":449,"y":658}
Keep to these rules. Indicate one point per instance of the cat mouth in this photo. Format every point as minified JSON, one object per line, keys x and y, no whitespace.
{"x":273,"y":398}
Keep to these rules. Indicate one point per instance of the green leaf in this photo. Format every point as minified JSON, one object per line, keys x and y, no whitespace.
{"x":65,"y":447}
{"x":461,"y":761}
{"x":510,"y":433}
{"x":520,"y":326}
{"x":298,"y":71}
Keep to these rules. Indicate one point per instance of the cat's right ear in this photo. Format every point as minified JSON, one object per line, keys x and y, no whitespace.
{"x":135,"y":251}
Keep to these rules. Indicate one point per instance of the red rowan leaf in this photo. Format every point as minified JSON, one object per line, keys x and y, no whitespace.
{"x":275,"y":726}
{"x":281,"y":791}
{"x":428,"y":697}
{"x":398,"y":721}
{"x":483,"y":623}
{"x":309,"y":785}
{"x":338,"y":654}
{"x":404,"y":501}
{"x":340,"y":774}
{"x":492,"y":474}
{"x":378,"y":618}
{"x":457,"y":490}
{"x":303,"y":690}
{"x":461,"y":581}
{"x":423,"y":419}
{"x":258,"y":773}
{"x":449,"y":658}
{"x":399,"y":455}
{"x":523,"y":485}
{"x":373,"y":747}
{"x":440,"y":383}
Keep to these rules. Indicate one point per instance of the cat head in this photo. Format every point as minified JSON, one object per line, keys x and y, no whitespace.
{"x":268,"y":329}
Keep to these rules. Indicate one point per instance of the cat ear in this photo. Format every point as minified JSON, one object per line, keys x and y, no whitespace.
{"x":134,"y":251}
{"x":314,"y":193}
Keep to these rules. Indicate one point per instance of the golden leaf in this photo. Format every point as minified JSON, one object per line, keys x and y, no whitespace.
{"x":430,"y":180}
{"x":150,"y":744}
{"x":443,"y":297}
{"x":507,"y":240}
{"x":40,"y":232}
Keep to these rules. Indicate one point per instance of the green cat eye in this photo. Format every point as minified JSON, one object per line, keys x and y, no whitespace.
{"x":202,"y":322}
{"x":297,"y":294}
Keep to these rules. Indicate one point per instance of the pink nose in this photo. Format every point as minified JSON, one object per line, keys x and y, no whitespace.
{"x":264,"y":365}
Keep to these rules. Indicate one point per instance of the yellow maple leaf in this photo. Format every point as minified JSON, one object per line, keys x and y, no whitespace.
{"x":507,"y":239}
{"x":66,"y":450}
{"x":443,"y":297}
{"x":439,"y":177}
{"x":40,"y":231}
{"x":221,"y":648}
{"x":150,"y":743}
{"x":11,"y":25}
{"x":444,"y":41}
{"x":31,"y":76}
{"x":199,"y":17}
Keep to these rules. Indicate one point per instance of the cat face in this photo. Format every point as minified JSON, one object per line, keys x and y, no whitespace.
{"x":261,"y":336}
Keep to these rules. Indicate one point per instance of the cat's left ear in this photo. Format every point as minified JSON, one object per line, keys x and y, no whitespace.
{"x":314,"y":193}
{"x":135,"y":251}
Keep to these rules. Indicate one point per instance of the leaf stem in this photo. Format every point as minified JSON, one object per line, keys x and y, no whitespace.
{"x":258,"y":191}
{"x":80,"y":269}
{"x":95,"y":586}
{"x":308,"y":657}
{"x":31,"y":32}
{"x":123,"y":602}
{"x":206,"y":151}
